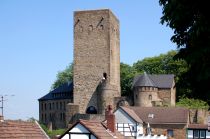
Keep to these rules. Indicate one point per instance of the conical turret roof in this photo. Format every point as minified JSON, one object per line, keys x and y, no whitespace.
{"x":145,"y":80}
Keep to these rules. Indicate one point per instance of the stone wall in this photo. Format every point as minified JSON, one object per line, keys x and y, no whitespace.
{"x":106,"y":96}
{"x":179,"y":130}
{"x":144,"y":96}
{"x":165,"y":95}
{"x":199,"y":116}
{"x":96,"y":55}
{"x":53,"y":112}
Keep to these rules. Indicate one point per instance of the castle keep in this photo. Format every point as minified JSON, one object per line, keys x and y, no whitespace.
{"x":96,"y":59}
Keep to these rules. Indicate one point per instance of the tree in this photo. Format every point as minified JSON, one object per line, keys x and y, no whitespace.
{"x":192,"y":103}
{"x":166,"y":64}
{"x":127,"y":74}
{"x":190,"y":21}
{"x":63,"y":76}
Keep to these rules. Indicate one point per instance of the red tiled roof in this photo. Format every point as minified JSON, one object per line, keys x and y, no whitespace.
{"x":161,"y":115}
{"x":197,"y":126}
{"x":20,"y":130}
{"x":98,"y":129}
{"x":132,"y":114}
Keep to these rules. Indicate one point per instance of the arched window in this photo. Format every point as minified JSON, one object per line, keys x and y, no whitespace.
{"x":150,"y":97}
{"x":91,"y":110}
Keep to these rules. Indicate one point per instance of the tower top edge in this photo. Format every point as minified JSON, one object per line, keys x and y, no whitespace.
{"x":108,"y":11}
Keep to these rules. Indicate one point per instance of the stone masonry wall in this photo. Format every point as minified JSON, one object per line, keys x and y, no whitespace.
{"x":93,"y":44}
{"x":53,"y":112}
{"x":165,"y":95}
{"x":179,"y":130}
{"x":143,"y":96}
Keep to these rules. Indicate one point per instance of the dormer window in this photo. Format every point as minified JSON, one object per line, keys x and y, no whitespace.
{"x":150,"y":115}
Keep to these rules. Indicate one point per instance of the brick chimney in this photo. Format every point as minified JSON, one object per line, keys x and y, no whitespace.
{"x":1,"y":118}
{"x":110,"y":118}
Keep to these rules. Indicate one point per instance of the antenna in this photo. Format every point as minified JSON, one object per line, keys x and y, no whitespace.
{"x":2,"y":103}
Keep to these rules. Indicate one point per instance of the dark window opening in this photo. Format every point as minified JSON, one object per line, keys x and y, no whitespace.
{"x":42,"y":106}
{"x":91,"y":110}
{"x":170,"y":133}
{"x":60,"y":105}
{"x":45,"y":117}
{"x":150,"y":97}
{"x":104,"y":76}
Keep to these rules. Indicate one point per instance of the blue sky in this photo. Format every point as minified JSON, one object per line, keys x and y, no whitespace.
{"x":36,"y":41}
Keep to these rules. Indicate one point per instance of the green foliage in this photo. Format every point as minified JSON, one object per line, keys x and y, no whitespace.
{"x":166,"y":64}
{"x":127,"y":74}
{"x":191,"y":25}
{"x":192,"y":103}
{"x":162,"y":64}
{"x":63,"y":76}
{"x":52,"y":133}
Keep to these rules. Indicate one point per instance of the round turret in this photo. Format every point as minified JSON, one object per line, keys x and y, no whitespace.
{"x":106,"y":96}
{"x":145,"y":91}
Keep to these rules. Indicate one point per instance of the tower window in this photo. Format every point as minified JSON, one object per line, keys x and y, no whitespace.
{"x":150,"y":97}
{"x":104,"y":76}
{"x":101,"y":27}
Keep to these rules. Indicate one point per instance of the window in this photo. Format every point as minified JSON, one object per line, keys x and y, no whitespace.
{"x":42,"y":106}
{"x":64,"y":116}
{"x":64,"y":105}
{"x":45,"y":117}
{"x":150,"y":97}
{"x":45,"y":106}
{"x":104,"y":76}
{"x":53,"y":106}
{"x":42,"y":117}
{"x":50,"y":106}
{"x":202,"y":134}
{"x":196,"y":134}
{"x":60,"y":105}
{"x":56,"y":105}
{"x":170,"y":133}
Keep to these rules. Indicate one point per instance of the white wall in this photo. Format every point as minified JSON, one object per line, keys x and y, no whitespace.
{"x":78,"y":129}
{"x":152,"y":137}
{"x":123,"y":119}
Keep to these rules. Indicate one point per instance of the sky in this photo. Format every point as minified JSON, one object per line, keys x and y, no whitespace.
{"x":36,"y":41}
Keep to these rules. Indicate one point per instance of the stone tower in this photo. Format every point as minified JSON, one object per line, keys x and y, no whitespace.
{"x":145,"y":92}
{"x":154,"y":90}
{"x":96,"y":58}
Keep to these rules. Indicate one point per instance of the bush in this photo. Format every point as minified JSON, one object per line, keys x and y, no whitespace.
{"x":192,"y":103}
{"x":52,"y":133}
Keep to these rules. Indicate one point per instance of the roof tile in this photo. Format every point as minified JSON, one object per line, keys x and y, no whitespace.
{"x":20,"y":129}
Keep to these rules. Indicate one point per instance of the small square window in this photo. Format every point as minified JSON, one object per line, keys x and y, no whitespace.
{"x":170,"y":133}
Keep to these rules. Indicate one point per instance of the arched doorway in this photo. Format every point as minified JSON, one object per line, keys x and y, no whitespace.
{"x":91,"y":110}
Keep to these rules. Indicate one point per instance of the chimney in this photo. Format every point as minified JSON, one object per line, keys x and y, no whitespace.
{"x":1,"y":118}
{"x":110,"y":118}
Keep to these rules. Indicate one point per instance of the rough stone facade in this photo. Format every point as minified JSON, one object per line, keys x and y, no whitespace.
{"x":96,"y":56}
{"x":53,"y":113}
{"x":153,"y":90}
{"x":179,"y":131}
